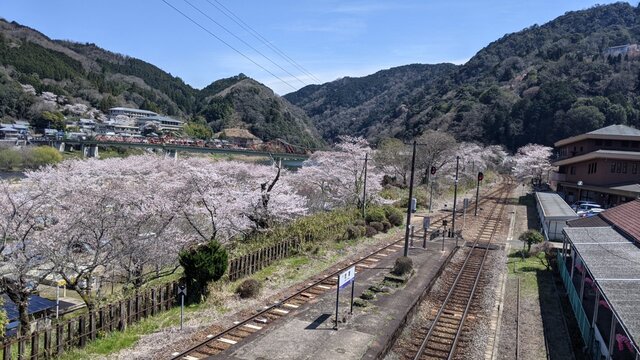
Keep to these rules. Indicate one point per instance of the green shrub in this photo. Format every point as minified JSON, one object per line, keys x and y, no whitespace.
{"x":375,"y":214}
{"x":41,"y":156}
{"x":402,"y":266}
{"x":370,"y":231}
{"x":10,"y":159}
{"x":248,"y":289}
{"x":357,"y":302}
{"x":531,"y":237}
{"x":360,"y":222}
{"x":377,"y":225}
{"x":325,"y":227}
{"x":353,"y":232}
{"x":202,"y":265}
{"x":363,"y":230}
{"x":368,"y":295}
{"x":386,"y":226}
{"x":396,"y":219}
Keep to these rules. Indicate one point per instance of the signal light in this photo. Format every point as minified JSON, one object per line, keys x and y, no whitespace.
{"x":480,"y":176}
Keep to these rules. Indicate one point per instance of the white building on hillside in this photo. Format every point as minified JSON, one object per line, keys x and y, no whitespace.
{"x":164,"y":123}
{"x":132,"y":113}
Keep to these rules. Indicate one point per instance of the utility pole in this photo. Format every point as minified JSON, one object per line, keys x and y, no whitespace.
{"x":364,"y":191}
{"x":455,"y":196}
{"x":413,"y":167}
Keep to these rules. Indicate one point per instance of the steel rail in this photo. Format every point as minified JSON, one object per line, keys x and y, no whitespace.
{"x":504,"y":191}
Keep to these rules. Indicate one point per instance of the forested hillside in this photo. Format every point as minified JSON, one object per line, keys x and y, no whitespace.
{"x":539,"y":85}
{"x":86,"y":75}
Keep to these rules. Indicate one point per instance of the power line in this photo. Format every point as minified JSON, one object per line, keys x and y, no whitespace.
{"x":244,"y":42}
{"x":228,"y":45}
{"x":235,"y":18}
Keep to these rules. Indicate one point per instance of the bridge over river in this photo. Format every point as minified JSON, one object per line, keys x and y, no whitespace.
{"x":89,"y":148}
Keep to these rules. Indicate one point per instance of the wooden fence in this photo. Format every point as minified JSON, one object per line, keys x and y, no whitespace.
{"x":53,"y":339}
{"x":248,"y":264}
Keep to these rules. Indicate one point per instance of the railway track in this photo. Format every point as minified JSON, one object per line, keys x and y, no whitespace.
{"x":440,"y":338}
{"x":218,"y":343}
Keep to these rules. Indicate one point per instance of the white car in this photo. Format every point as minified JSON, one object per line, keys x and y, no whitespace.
{"x":593,"y":212}
{"x":583,"y":209}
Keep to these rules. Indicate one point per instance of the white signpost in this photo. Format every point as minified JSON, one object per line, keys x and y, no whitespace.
{"x":182,"y":291}
{"x":346,"y":277}
{"x":464,"y":214}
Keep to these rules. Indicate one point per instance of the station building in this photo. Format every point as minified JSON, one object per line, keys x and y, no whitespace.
{"x":601,"y":166}
{"x":600,"y":268}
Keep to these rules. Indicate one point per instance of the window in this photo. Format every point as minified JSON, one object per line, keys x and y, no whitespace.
{"x":581,"y":149}
{"x":598,"y":142}
{"x":635,"y":144}
{"x":624,"y":143}
{"x":613,"y":167}
{"x":572,"y":171}
{"x":618,"y":167}
{"x":607,"y":143}
{"x":593,"y":167}
{"x":634,"y":168}
{"x":624,"y":167}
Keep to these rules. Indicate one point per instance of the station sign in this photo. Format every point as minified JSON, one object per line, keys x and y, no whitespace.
{"x":347,"y":277}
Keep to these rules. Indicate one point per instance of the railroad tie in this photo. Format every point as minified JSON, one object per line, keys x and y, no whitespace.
{"x":228,"y":341}
{"x":254,"y":327}
{"x":307,"y":295}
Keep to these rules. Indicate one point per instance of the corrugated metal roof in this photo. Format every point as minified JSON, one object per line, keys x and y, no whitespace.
{"x":553,"y":206}
{"x":614,"y":263}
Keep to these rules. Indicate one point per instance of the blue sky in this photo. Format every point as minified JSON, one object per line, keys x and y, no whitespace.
{"x":329,"y":38}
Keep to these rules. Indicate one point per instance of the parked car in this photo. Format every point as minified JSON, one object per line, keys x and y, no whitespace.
{"x":576,"y":205}
{"x":593,"y":212}
{"x":584,"y":209}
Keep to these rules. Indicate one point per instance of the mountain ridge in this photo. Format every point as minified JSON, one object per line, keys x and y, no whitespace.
{"x":85,"y":74}
{"x":534,"y":85}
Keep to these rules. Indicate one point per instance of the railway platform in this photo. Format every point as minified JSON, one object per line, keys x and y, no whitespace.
{"x":308,"y":332}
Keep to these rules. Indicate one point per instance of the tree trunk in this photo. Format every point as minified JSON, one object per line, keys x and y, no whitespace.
{"x":23,"y":310}
{"x":15,"y":292}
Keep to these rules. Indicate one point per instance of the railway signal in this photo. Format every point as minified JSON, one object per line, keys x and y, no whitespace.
{"x":433,"y":170}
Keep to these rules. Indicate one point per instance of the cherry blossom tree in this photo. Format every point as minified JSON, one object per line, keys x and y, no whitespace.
{"x":332,"y":179}
{"x":436,"y":149}
{"x":532,"y":161}
{"x":21,"y":223}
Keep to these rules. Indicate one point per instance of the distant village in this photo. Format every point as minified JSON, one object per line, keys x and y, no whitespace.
{"x":126,"y":125}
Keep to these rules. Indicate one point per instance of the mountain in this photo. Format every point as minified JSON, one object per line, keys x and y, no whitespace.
{"x":538,"y":85}
{"x":38,"y":74}
{"x":243,"y":102}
